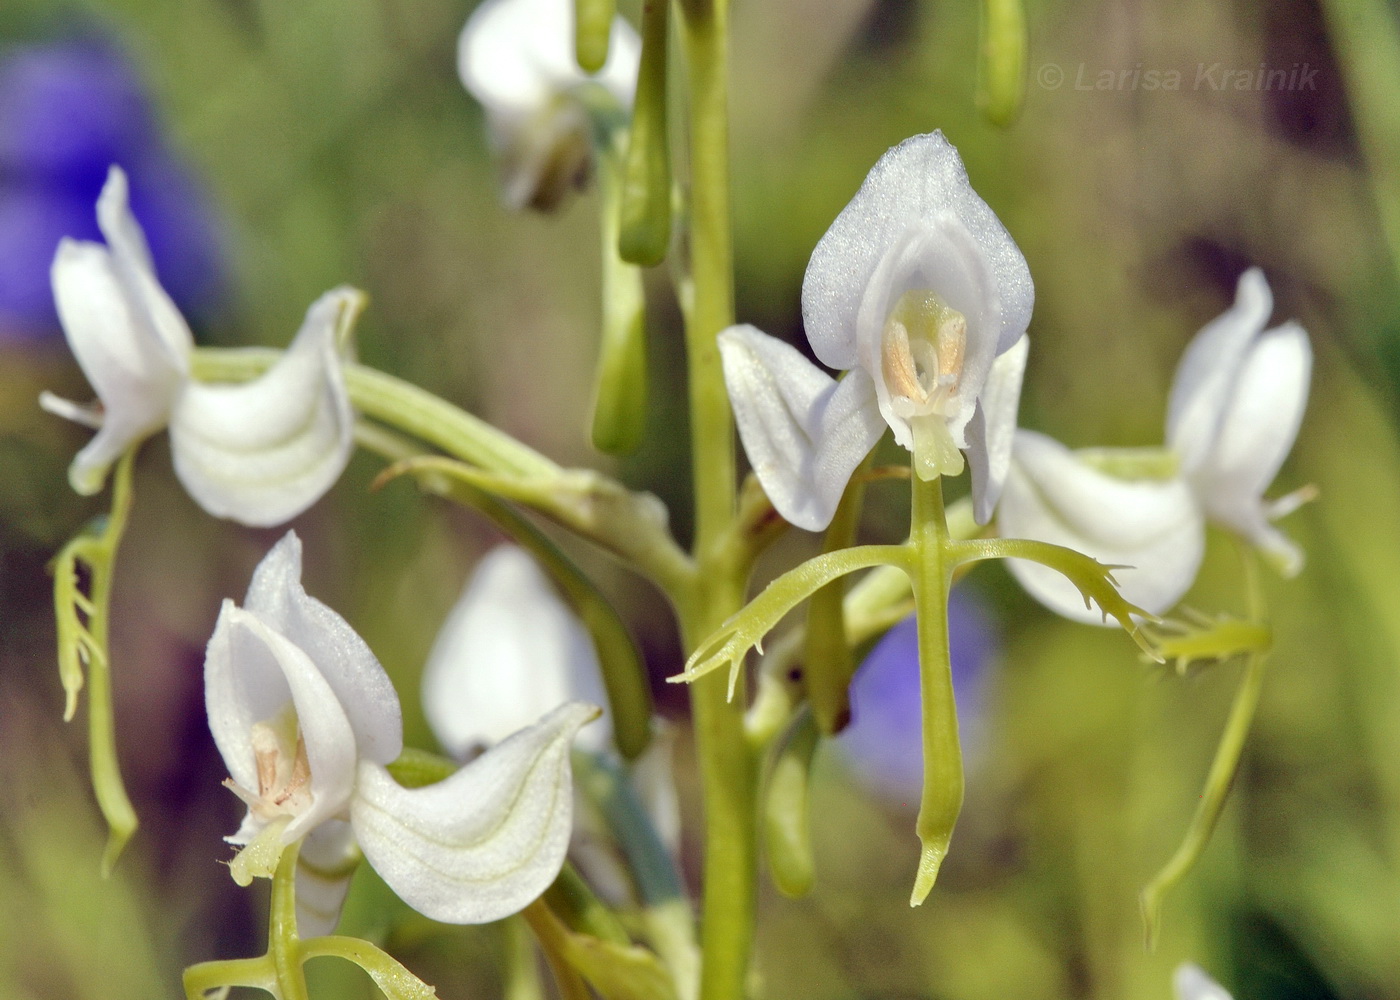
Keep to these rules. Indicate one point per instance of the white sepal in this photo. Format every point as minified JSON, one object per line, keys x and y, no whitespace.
{"x":262,"y":452}
{"x":992,"y":432}
{"x":1192,"y":983}
{"x":128,"y":337}
{"x":1155,"y":527}
{"x":1236,"y":406}
{"x":1206,"y":375}
{"x":510,"y":651}
{"x":485,"y":842}
{"x":352,"y":671}
{"x":804,"y":432}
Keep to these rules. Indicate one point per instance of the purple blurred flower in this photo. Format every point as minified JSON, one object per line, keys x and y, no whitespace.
{"x":68,"y":111}
{"x":882,"y":743}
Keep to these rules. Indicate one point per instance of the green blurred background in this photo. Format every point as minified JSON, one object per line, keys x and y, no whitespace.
{"x":337,"y":146}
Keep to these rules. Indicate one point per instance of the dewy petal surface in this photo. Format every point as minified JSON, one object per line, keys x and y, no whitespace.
{"x":1209,"y":367}
{"x":510,"y":651}
{"x":516,"y":56}
{"x":920,"y":184}
{"x":482,"y":844}
{"x":262,"y":452}
{"x":992,"y":431}
{"x":1191,"y":983}
{"x":345,"y":661}
{"x":127,"y":336}
{"x":803,"y":431}
{"x":1153,"y":526}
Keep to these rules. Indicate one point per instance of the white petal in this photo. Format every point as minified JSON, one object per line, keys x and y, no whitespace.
{"x":992,"y":432}
{"x":1154,"y":526}
{"x":516,"y":56}
{"x":129,"y":367}
{"x":325,"y":865}
{"x":1192,"y":983}
{"x":250,"y":673}
{"x":1205,"y":378}
{"x":263,"y":452}
{"x":354,"y":674}
{"x":803,"y":431}
{"x":509,"y":652}
{"x":918,"y":185}
{"x":1257,"y":430}
{"x":485,"y":842}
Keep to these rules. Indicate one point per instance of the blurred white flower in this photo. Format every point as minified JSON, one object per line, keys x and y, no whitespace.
{"x":259,"y":453}
{"x":306,"y":720}
{"x":517,"y":58}
{"x":1192,"y":983}
{"x":920,"y":294}
{"x":510,"y":651}
{"x":1152,"y":527}
{"x":1236,"y":405}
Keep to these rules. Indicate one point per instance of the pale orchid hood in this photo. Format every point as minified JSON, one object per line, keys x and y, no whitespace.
{"x":510,"y":651}
{"x":918,"y":292}
{"x":306,"y":720}
{"x":259,"y":453}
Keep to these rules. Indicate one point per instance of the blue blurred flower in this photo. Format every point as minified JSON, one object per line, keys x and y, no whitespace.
{"x":68,"y":111}
{"x":882,"y":743}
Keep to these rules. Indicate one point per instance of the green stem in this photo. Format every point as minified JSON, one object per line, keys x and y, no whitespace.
{"x":392,"y":978}
{"x":787,"y":824}
{"x":1223,"y":770}
{"x":943,"y":772}
{"x":727,"y":767}
{"x":522,"y":974}
{"x":552,"y":937}
{"x":283,"y":944}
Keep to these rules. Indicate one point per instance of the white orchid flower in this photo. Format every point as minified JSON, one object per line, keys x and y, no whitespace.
{"x":1151,"y":527}
{"x":1235,"y":408}
{"x":259,"y":453}
{"x":1191,"y":983}
{"x":918,"y":292}
{"x":510,"y":651}
{"x":517,"y":58}
{"x":306,"y":720}
{"x":1236,"y":405}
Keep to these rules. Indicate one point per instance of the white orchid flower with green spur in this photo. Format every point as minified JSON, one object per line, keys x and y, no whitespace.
{"x":306,"y":720}
{"x":1191,"y":982}
{"x":517,"y":58}
{"x":919,"y":293}
{"x":1236,"y":405}
{"x":259,"y":453}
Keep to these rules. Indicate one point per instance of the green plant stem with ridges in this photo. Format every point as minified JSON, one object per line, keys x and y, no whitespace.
{"x":727,"y":765}
{"x":283,"y":944}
